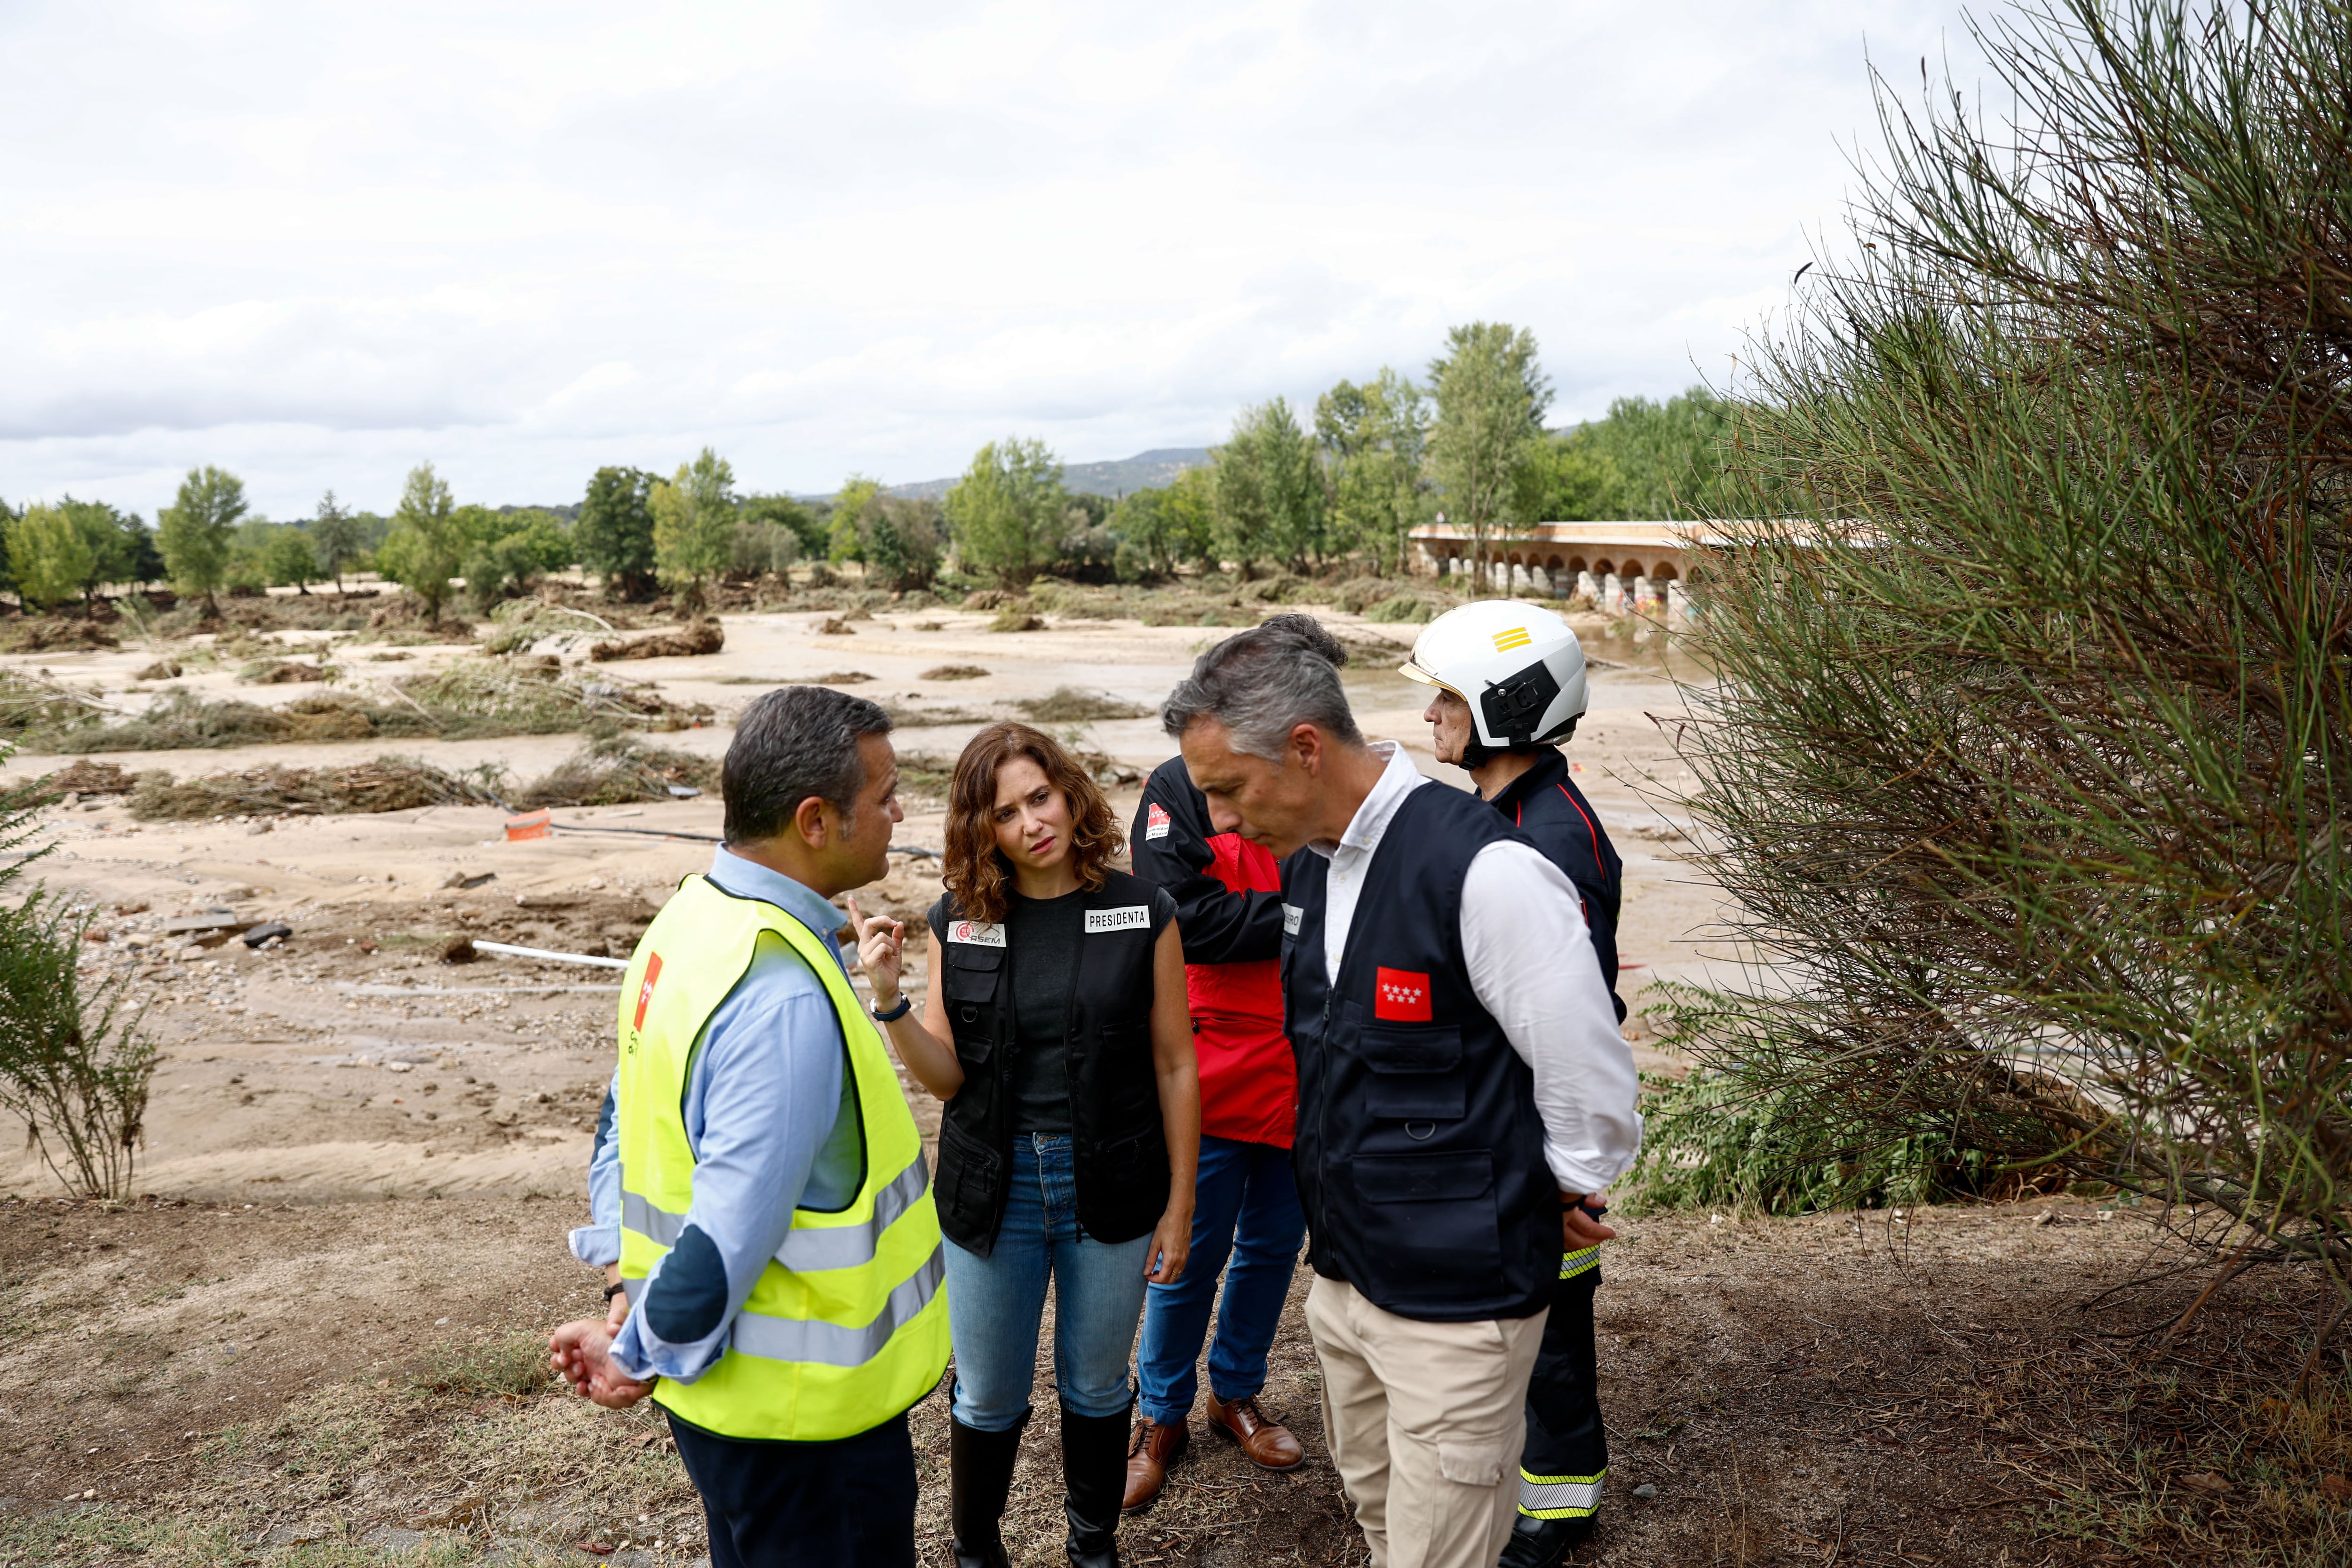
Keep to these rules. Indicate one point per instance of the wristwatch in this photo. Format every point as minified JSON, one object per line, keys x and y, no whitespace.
{"x":905,"y":1003}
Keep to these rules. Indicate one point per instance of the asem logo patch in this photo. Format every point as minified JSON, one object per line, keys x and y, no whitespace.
{"x":1133,"y":917}
{"x":1155,"y":821}
{"x":978,"y":933}
{"x":645,"y":990}
{"x":1400,"y":996}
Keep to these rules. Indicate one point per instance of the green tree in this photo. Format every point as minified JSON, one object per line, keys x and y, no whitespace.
{"x":1267,"y":489}
{"x":111,"y":539}
{"x":842,"y":540}
{"x":337,"y":538}
{"x":1581,"y":481}
{"x":1007,"y":510}
{"x":51,"y":555}
{"x":146,"y":561}
{"x":198,"y":529}
{"x":616,"y":531}
{"x":508,"y":552}
{"x":1667,"y":458}
{"x":427,"y":546}
{"x":694,"y":525}
{"x":1375,"y":442}
{"x":290,"y":558}
{"x":1486,"y":448}
{"x":1161,"y":530}
{"x":783,"y":511}
{"x":899,"y":540}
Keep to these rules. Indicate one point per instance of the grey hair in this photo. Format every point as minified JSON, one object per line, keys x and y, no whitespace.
{"x":791,"y":743}
{"x":1263,"y":682}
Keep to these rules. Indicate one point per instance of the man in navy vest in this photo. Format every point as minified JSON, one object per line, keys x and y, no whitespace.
{"x":1510,"y":687}
{"x":1462,"y":1085}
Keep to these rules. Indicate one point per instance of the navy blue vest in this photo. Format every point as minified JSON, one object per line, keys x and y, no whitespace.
{"x":1419,"y":1153}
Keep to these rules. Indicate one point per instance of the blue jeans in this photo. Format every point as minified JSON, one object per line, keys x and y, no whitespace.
{"x":1245,"y":1204}
{"x":995,"y":1303}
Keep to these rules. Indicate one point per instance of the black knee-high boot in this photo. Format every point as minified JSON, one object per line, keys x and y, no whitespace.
{"x":1094,"y":1470}
{"x":980,"y":1475}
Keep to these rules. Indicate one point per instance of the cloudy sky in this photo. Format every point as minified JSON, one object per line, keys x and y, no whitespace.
{"x":318,"y":243}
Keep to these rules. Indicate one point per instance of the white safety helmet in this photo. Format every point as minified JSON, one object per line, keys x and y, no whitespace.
{"x":1516,"y":665}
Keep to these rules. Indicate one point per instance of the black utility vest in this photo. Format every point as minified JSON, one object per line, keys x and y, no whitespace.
{"x":1116,"y":1140}
{"x":1420,"y":1156}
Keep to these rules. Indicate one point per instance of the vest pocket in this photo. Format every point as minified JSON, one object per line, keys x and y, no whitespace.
{"x":971,"y":972}
{"x":1431,"y":1219}
{"x":969,"y":983}
{"x":969,"y":1181}
{"x":1416,"y":1073}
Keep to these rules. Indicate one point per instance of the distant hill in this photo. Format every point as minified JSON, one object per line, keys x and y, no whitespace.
{"x":1157,"y":467}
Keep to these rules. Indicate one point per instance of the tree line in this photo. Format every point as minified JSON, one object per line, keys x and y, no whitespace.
{"x":1376,"y":460}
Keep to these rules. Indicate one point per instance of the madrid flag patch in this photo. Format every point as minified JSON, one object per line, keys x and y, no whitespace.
{"x":1400,"y":996}
{"x":646,"y":989}
{"x":1155,"y":821}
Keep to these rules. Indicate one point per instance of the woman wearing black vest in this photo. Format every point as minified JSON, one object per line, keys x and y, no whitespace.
{"x":1055,"y":1031}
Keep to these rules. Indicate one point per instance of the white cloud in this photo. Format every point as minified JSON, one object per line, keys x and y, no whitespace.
{"x":318,"y":245}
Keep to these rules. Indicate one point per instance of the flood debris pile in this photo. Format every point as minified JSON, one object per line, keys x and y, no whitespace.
{"x":386,"y":784}
{"x":617,"y":770}
{"x":612,"y":770}
{"x":698,"y":638}
{"x":470,"y":699}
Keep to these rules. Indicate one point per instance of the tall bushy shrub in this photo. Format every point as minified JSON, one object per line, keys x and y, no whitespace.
{"x":2028,"y":767}
{"x":74,"y":1066}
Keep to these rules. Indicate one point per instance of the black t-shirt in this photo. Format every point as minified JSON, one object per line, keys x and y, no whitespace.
{"x":1044,"y":938}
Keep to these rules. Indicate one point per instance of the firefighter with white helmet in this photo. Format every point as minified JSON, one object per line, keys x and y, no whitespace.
{"x":1510,"y":682}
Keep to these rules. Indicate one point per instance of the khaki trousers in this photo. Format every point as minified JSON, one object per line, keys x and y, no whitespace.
{"x":1424,"y":1421}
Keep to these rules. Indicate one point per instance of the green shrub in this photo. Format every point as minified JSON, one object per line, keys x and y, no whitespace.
{"x":1711,"y":1142}
{"x":1403,"y":609}
{"x":74,"y":1068}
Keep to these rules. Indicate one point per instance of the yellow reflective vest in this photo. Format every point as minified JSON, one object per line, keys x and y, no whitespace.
{"x":847,"y":1326}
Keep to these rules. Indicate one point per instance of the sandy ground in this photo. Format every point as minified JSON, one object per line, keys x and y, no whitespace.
{"x":322,"y":1069}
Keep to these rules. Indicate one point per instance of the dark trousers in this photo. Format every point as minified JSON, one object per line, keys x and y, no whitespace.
{"x":806,"y":1505}
{"x":1245,"y":1206}
{"x":1567,"y":1451}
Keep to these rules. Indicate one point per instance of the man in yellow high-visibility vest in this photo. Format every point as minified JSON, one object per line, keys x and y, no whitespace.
{"x":779,"y":1262}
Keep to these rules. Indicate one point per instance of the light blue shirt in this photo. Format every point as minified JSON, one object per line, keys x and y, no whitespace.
{"x":771,"y":1125}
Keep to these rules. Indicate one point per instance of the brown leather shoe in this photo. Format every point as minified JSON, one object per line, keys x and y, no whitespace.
{"x":1268,"y":1444}
{"x":1150,"y":1453}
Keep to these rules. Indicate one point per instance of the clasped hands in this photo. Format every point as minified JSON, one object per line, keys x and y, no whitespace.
{"x":580,"y":1353}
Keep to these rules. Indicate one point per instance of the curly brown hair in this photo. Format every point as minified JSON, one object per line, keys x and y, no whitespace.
{"x":977,"y":874}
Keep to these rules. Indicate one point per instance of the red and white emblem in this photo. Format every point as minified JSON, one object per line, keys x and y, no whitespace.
{"x":1155,"y":821}
{"x":646,"y":989}
{"x":1400,"y":996}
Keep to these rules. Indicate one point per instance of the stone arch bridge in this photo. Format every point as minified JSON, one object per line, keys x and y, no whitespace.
{"x":1618,"y":567}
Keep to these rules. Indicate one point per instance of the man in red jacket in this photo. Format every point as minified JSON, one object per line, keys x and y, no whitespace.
{"x":1228,"y":895}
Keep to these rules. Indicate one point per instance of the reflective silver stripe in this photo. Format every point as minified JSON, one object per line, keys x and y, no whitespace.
{"x":1573,"y":1264}
{"x":810,"y":1248}
{"x":830,"y":1344}
{"x":813,"y":1247}
{"x":1558,"y":1497}
{"x":657,"y":1225}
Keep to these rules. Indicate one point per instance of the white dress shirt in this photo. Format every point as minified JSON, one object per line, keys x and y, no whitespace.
{"x":1532,"y":967}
